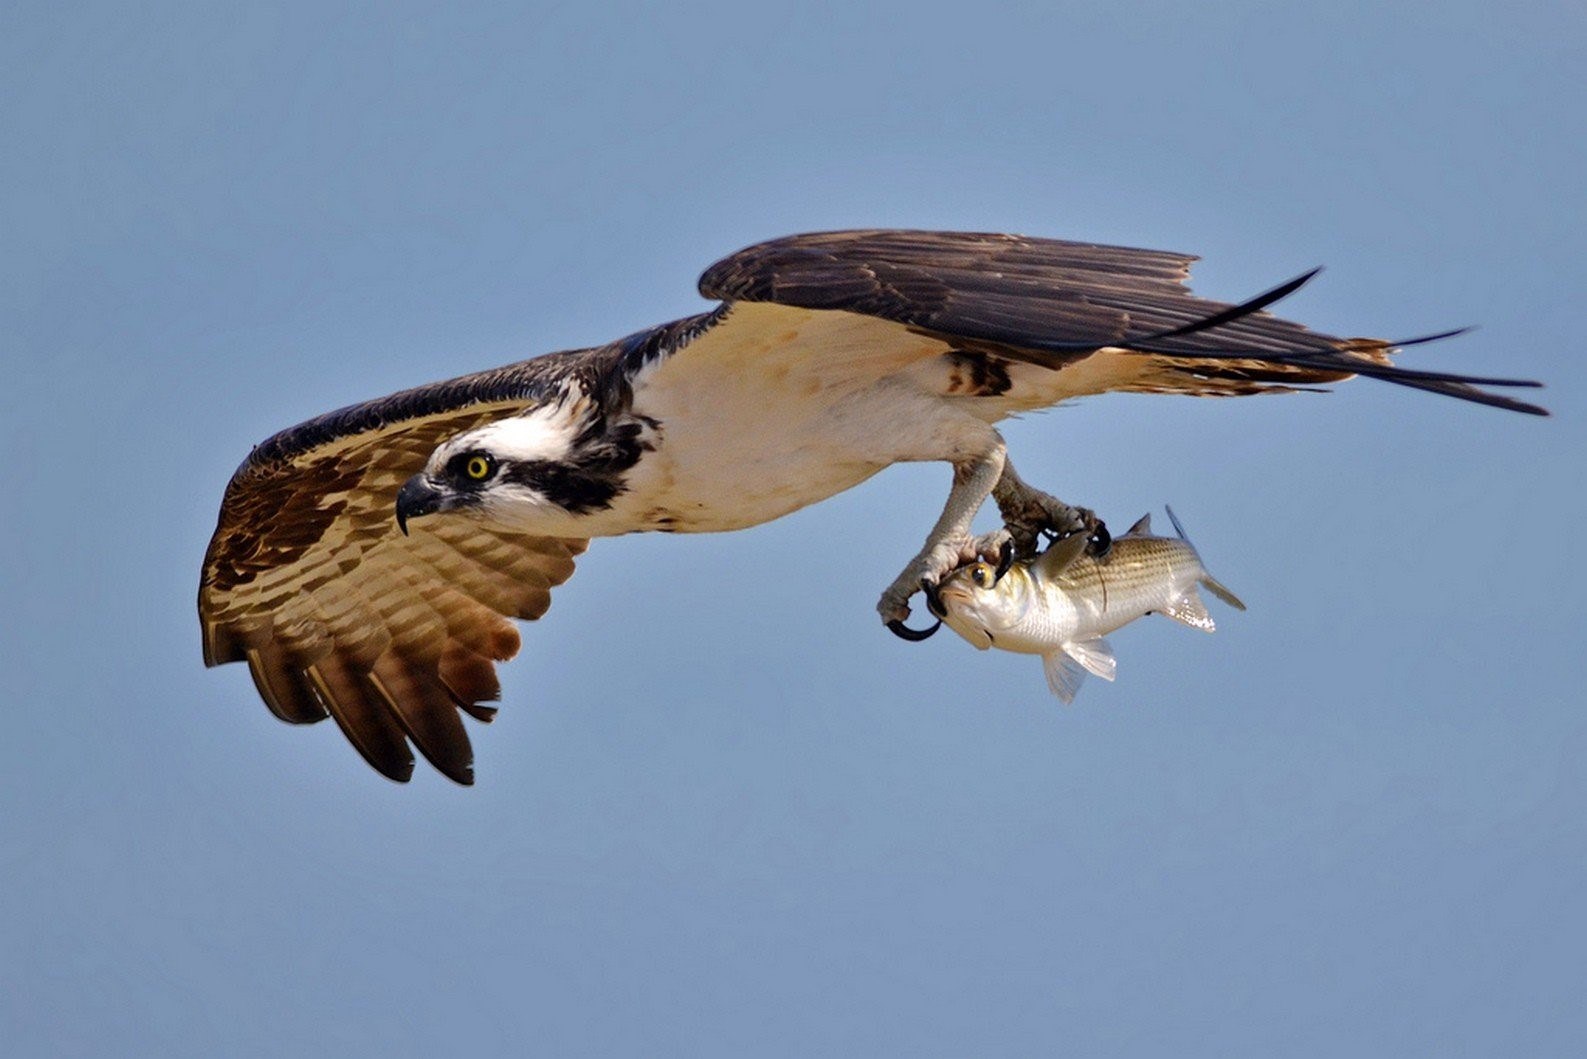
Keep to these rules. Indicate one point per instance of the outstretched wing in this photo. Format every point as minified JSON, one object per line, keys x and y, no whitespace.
{"x":1058,"y":304}
{"x":336,"y":613}
{"x":308,"y":580}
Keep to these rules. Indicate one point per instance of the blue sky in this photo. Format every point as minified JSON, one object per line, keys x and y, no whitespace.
{"x":722,"y":811}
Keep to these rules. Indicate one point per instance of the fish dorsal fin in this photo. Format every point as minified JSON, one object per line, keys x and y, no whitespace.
{"x":1055,"y":559}
{"x":1097,"y":657}
{"x":1142,"y":527}
{"x":1064,"y":674}
{"x":1178,"y":526}
{"x":1189,"y":610}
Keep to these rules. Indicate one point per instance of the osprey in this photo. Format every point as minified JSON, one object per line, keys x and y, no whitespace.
{"x":368,"y":563}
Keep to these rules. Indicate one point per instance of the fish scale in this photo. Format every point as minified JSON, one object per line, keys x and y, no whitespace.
{"x":1143,"y":574}
{"x":1061,"y":603}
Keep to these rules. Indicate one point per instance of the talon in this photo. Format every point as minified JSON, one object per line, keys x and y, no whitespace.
{"x":1101,"y":542}
{"x":933,"y":602}
{"x":904,"y":632}
{"x":1005,"y":559}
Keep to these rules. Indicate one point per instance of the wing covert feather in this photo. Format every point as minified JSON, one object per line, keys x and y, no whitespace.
{"x":1053,"y":303}
{"x":336,"y":613}
{"x":309,"y":582}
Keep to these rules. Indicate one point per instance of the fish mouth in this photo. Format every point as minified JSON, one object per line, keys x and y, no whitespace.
{"x":954,"y":594}
{"x":974,"y":633}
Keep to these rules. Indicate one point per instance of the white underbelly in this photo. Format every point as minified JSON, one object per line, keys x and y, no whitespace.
{"x":739,"y":464}
{"x":716,"y":494}
{"x":779,"y":408}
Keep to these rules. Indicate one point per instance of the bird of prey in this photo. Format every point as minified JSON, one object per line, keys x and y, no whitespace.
{"x":368,"y":564}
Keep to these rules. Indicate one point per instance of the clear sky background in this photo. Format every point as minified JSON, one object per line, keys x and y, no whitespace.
{"x":722,"y":811}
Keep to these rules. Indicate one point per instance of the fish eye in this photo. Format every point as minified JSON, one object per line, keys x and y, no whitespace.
{"x":479,"y":467}
{"x":982,"y":575}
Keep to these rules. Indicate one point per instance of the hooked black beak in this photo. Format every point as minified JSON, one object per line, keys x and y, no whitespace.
{"x":417,"y":497}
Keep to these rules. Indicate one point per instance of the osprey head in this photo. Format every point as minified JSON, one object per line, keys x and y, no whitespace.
{"x":530,"y":471}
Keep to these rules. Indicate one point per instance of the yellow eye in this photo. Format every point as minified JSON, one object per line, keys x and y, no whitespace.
{"x":982,"y":575}
{"x":477,"y":468}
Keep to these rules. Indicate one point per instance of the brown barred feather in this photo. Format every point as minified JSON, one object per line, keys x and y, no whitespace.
{"x":308,"y":580}
{"x":337,"y":613}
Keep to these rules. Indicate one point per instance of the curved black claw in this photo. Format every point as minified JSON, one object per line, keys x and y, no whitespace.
{"x":933,"y":599}
{"x":1101,"y":542}
{"x":1005,"y":559}
{"x":904,"y":632}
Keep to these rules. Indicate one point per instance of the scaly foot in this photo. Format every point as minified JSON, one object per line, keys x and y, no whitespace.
{"x":1028,"y":513}
{"x":927,"y":569}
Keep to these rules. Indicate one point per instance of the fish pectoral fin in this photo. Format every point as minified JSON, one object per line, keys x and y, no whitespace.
{"x":1066,"y":667}
{"x":1189,"y":610}
{"x":1051,"y":563}
{"x":1064,"y":674}
{"x":1096,"y":656}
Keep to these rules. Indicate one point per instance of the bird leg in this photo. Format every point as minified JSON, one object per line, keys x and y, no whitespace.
{"x":949,"y":545}
{"x":1028,"y":513}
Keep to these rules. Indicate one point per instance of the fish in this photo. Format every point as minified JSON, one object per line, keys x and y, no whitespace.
{"x":1061,"y":603}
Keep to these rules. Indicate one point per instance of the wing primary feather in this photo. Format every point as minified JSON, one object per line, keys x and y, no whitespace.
{"x":1439,"y":336}
{"x":282,"y":685}
{"x":482,"y":714}
{"x":365,"y":722}
{"x":1218,"y":319}
{"x":470,"y":677}
{"x":307,"y":580}
{"x":426,"y":710}
{"x":335,"y":615}
{"x":1235,"y":312}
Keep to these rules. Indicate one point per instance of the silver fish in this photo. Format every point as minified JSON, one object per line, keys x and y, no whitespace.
{"x":1062,"y":603}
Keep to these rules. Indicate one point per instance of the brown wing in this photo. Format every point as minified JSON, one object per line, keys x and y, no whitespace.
{"x":308,"y":580}
{"x":1054,"y":303}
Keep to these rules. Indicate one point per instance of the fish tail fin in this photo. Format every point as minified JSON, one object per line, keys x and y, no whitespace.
{"x":1217,"y":588}
{"x":1066,"y":667}
{"x":1206,"y":580}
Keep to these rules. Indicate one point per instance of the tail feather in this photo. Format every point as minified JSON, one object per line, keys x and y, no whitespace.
{"x":1239,"y":368}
